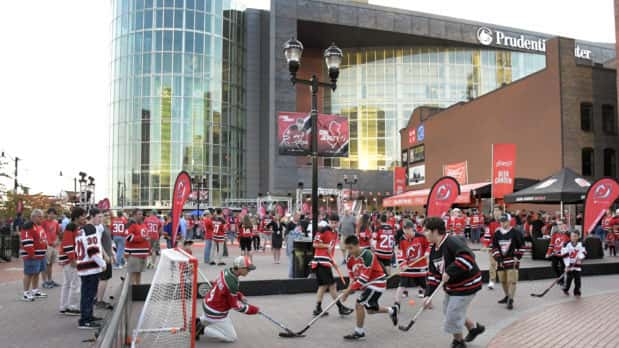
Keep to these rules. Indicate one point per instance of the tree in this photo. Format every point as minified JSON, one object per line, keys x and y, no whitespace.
{"x":36,"y":201}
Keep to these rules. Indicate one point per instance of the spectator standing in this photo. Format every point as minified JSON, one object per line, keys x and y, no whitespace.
{"x":66,"y":219}
{"x":208,"y":238}
{"x":245,"y":236}
{"x":154,"y":225}
{"x":138,"y":247}
{"x":18,"y":223}
{"x":118,"y":225}
{"x":52,"y":231}
{"x":167,"y":231}
{"x":182,"y":224}
{"x":293,"y":232}
{"x":108,"y":254}
{"x":219,"y":238}
{"x":346,"y":228}
{"x":277,"y":236}
{"x":34,"y":248}
{"x":69,"y":292}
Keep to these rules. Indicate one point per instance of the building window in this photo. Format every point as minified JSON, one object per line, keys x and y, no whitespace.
{"x":610,"y":163}
{"x":609,"y":119}
{"x":586,"y":117}
{"x":587,"y":161}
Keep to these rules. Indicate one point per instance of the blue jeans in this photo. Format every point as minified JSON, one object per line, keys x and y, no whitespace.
{"x":475,"y":235}
{"x":168,"y":243}
{"x":87,"y":299}
{"x":290,"y":262}
{"x":120,"y":250}
{"x":208,"y":243}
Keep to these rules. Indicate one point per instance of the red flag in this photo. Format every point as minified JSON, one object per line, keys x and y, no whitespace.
{"x":399,"y":180}
{"x":503,"y":169}
{"x":442,"y":195}
{"x":182,"y":189}
{"x":600,"y":196}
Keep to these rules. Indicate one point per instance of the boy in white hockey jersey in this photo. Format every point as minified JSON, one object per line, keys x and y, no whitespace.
{"x":574,"y":252}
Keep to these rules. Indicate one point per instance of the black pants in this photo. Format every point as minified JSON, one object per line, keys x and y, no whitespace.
{"x":88,"y":294}
{"x":557,"y":265}
{"x":575,"y":275}
{"x":256,"y":240}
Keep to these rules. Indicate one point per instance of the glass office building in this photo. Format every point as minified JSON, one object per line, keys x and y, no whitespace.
{"x":177,"y":98}
{"x":379,"y":87}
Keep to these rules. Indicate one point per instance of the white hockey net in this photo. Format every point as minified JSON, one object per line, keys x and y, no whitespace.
{"x":168,"y":315}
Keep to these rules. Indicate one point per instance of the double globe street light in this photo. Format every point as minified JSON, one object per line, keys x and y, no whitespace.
{"x":293,"y":50}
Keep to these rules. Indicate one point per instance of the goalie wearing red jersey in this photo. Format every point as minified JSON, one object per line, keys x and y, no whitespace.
{"x":223,"y":297}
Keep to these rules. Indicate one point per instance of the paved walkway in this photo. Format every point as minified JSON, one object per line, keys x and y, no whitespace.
{"x":588,"y":322}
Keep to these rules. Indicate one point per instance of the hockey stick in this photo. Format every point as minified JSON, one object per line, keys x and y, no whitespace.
{"x":280,"y":325}
{"x":300,"y":333}
{"x":410,"y":324}
{"x":555,"y":282}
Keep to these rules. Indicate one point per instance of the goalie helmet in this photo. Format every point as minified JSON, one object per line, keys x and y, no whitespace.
{"x":243,"y":262}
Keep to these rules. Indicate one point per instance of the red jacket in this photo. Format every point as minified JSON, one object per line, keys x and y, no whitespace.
{"x":219,"y":229}
{"x":137,"y":242}
{"x":322,"y":255}
{"x":33,"y":242}
{"x":557,"y":241}
{"x":385,"y":240}
{"x":208,"y":229}
{"x":67,"y":247}
{"x":409,"y":253}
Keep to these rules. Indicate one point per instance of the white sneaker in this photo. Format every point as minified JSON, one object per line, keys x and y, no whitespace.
{"x":491,"y":285}
{"x":421,"y":294}
{"x":38,"y":294}
{"x":27,"y":297}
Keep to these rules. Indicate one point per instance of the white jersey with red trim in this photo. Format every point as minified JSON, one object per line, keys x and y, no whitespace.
{"x":88,"y":251}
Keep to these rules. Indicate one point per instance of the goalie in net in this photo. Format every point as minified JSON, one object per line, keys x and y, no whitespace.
{"x":168,"y":315}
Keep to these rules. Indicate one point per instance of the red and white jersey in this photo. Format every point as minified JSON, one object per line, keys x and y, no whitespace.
{"x":384,"y":242}
{"x":557,"y":241}
{"x":67,"y":247}
{"x":614,"y":225}
{"x":219,"y":229}
{"x":153,"y":224}
{"x":245,"y":232}
{"x":137,"y":241}
{"x":224,"y":296}
{"x":606,"y":222}
{"x":208,"y":228}
{"x":412,"y":256}
{"x":365,"y":237}
{"x":457,"y":225}
{"x":118,"y":227}
{"x":264,"y":224}
{"x":323,"y":255}
{"x":366,"y":272}
{"x":33,"y":242}
{"x":573,"y":256}
{"x":88,"y":252}
{"x":477,"y":220}
{"x":52,"y":229}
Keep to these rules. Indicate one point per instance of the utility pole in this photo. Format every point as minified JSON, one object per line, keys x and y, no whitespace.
{"x":15,"y":187}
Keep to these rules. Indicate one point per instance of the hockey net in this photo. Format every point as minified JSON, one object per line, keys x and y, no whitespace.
{"x":169,"y":312}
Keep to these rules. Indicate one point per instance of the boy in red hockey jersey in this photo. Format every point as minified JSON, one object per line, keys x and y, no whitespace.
{"x":610,"y":243}
{"x":413,"y":262}
{"x":557,"y":241}
{"x":365,"y":274}
{"x":384,"y":240}
{"x":573,"y":254}
{"x":138,"y":247}
{"x":223,"y":297}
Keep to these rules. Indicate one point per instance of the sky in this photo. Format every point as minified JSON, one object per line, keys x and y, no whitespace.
{"x":55,"y":67}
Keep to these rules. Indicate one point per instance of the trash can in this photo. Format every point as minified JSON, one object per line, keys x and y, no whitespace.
{"x":593,"y":245}
{"x":5,"y":247}
{"x":303,"y":254}
{"x":539,"y":248}
{"x":15,"y":243}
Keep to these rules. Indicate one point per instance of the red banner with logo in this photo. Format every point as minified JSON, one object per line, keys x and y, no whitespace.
{"x":399,"y":180}
{"x":294,"y":131}
{"x":458,"y":171}
{"x":443,"y":194}
{"x":600,"y":196}
{"x":182,"y":189}
{"x":104,"y":204}
{"x":412,"y":136}
{"x":503,"y":169}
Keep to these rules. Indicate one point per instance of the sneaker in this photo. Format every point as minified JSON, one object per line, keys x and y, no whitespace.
{"x":117,"y":267}
{"x":474,"y":332}
{"x":577,"y":293}
{"x":421,"y":293}
{"x":96,"y":318}
{"x":27,"y":297}
{"x":317,"y":312}
{"x":566,"y":292}
{"x":343,"y":310}
{"x":70,"y":312}
{"x":394,"y":315}
{"x":54,"y":284}
{"x":510,"y":304}
{"x":47,"y":285}
{"x":355,"y":336}
{"x":39,"y":294}
{"x":458,"y":344}
{"x":491,"y":285}
{"x":504,"y":300}
{"x":199,"y":328}
{"x":212,"y":263}
{"x":89,"y":325}
{"x":397,"y":304}
{"x":221,"y":264}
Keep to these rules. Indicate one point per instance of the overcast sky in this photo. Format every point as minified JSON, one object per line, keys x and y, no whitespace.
{"x":54,"y":69}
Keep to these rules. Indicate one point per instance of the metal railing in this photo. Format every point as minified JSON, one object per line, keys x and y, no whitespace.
{"x":115,"y":334}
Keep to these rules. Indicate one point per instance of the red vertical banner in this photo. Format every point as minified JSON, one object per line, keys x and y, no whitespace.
{"x":182,"y":189}
{"x":503,"y":169}
{"x":600,"y":196}
{"x":443,"y":194}
{"x":399,"y":180}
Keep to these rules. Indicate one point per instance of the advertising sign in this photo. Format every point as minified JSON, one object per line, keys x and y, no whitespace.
{"x":182,"y":188}
{"x":442,"y":195}
{"x":600,"y":196}
{"x":458,"y":171}
{"x":399,"y":180}
{"x":294,"y":134}
{"x":503,"y":169}
{"x":418,"y":154}
{"x":417,"y":175}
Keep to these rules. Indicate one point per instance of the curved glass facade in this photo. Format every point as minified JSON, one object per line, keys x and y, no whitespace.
{"x":177,"y":98}
{"x":378,"y":89}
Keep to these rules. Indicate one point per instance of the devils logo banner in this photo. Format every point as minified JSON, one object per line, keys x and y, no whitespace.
{"x":443,"y":194}
{"x":503,"y":169}
{"x":294,"y":131}
{"x":600,"y":196}
{"x":399,"y":180}
{"x":182,"y":189}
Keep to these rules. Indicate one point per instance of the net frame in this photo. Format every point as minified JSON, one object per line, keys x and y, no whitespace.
{"x":183,"y":262}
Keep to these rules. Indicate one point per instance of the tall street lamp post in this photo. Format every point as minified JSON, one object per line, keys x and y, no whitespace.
{"x":350,"y":182}
{"x":293,"y":49}
{"x":201,"y":184}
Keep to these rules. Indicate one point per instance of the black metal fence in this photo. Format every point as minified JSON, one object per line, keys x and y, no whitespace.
{"x":115,"y":333}
{"x":9,"y":246}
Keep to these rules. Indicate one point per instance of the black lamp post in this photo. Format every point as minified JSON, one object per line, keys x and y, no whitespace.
{"x":201,"y":184}
{"x":350,"y":182}
{"x":293,"y":49}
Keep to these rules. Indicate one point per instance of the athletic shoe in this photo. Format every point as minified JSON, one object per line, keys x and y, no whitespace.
{"x":566,"y":292}
{"x":96,"y":318}
{"x":317,"y":312}
{"x":47,"y":285}
{"x":199,"y":328}
{"x":491,"y":285}
{"x":212,"y":263}
{"x":345,"y":310}
{"x":54,"y":284}
{"x":421,"y":293}
{"x":504,"y":300}
{"x":397,"y":304}
{"x":458,"y":344}
{"x":474,"y":332}
{"x":355,"y":336}
{"x":405,"y":294}
{"x":394,"y":315}
{"x":70,"y":312}
{"x":510,"y":304}
{"x":90,"y":325}
{"x":221,"y":264}
{"x":577,"y":294}
{"x":39,"y":294}
{"x":27,"y":297}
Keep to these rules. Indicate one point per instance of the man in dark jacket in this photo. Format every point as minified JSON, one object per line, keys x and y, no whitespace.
{"x":452,"y":263}
{"x":507,"y":251}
